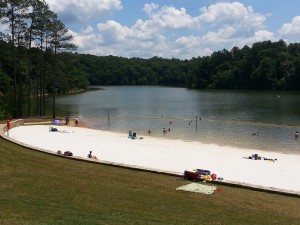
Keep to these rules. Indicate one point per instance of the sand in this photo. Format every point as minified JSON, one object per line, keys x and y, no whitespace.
{"x":168,"y":155}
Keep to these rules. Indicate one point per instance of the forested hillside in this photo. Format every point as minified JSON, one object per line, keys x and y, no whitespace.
{"x":34,"y":58}
{"x":37,"y":59}
{"x":264,"y":66}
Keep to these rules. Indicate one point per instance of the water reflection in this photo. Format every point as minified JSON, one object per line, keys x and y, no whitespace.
{"x":227,"y":117}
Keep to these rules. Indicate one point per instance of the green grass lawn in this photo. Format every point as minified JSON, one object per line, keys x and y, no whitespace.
{"x":37,"y":188}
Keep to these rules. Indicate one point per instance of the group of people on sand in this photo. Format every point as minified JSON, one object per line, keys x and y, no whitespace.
{"x":67,"y":121}
{"x":68,"y":153}
{"x":258,"y":157}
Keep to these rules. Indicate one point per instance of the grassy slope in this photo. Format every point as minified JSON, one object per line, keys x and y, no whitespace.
{"x":37,"y":188}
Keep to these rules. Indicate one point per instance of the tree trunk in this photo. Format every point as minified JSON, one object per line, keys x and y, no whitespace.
{"x":54,"y":82}
{"x":29,"y":75}
{"x":14,"y":63}
{"x":19,"y":81}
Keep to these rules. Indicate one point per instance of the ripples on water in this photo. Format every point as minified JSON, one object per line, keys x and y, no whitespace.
{"x":208,"y":131}
{"x":227,"y":117}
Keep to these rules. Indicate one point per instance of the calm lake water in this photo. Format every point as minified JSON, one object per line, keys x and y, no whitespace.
{"x":227,"y":117}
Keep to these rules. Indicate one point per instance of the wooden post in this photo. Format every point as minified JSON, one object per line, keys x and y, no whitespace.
{"x":108,"y":118}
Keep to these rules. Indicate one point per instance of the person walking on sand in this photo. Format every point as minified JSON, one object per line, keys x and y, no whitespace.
{"x":149,"y":132}
{"x":76,"y":122}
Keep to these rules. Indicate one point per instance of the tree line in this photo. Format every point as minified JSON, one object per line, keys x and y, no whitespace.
{"x":264,"y":66}
{"x":37,"y":59}
{"x":32,"y":65}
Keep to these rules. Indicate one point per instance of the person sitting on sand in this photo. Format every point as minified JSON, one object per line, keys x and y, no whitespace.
{"x":90,"y":156}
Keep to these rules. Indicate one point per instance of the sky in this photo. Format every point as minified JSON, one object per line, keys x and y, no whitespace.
{"x":180,"y":29}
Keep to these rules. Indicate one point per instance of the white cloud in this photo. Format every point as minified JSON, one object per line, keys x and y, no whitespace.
{"x":292,"y":29}
{"x":162,"y":21}
{"x":166,"y":31}
{"x":86,"y":39}
{"x":131,"y":41}
{"x":171,"y":18}
{"x":224,"y":12}
{"x":192,"y":46}
{"x":88,"y":30}
{"x":148,"y":8}
{"x":263,"y":35}
{"x":259,"y":36}
{"x":83,"y":10}
{"x":113,"y":32}
{"x":172,"y":32}
{"x":243,"y":21}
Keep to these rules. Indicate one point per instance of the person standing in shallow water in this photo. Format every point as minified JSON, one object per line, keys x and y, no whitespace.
{"x":296,"y":135}
{"x":67,"y":120}
{"x":149,"y":132}
{"x":164,"y":131}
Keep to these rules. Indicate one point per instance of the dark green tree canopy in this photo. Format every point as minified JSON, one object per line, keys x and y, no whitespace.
{"x":31,"y":71}
{"x":36,"y":60}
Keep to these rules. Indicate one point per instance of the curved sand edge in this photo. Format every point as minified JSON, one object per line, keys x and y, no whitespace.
{"x":172,"y":156}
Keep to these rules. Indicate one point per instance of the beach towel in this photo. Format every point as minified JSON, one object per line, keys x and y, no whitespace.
{"x":198,"y":188}
{"x":56,"y":122}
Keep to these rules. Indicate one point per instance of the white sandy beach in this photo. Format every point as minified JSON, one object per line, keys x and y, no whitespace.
{"x":168,"y":155}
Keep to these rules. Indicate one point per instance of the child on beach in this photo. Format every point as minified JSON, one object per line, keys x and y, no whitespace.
{"x":90,"y":156}
{"x":76,"y":122}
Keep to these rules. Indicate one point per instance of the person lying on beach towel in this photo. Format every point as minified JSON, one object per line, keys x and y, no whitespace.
{"x":68,"y":153}
{"x":271,"y":160}
{"x":254,"y":156}
{"x":53,"y":129}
